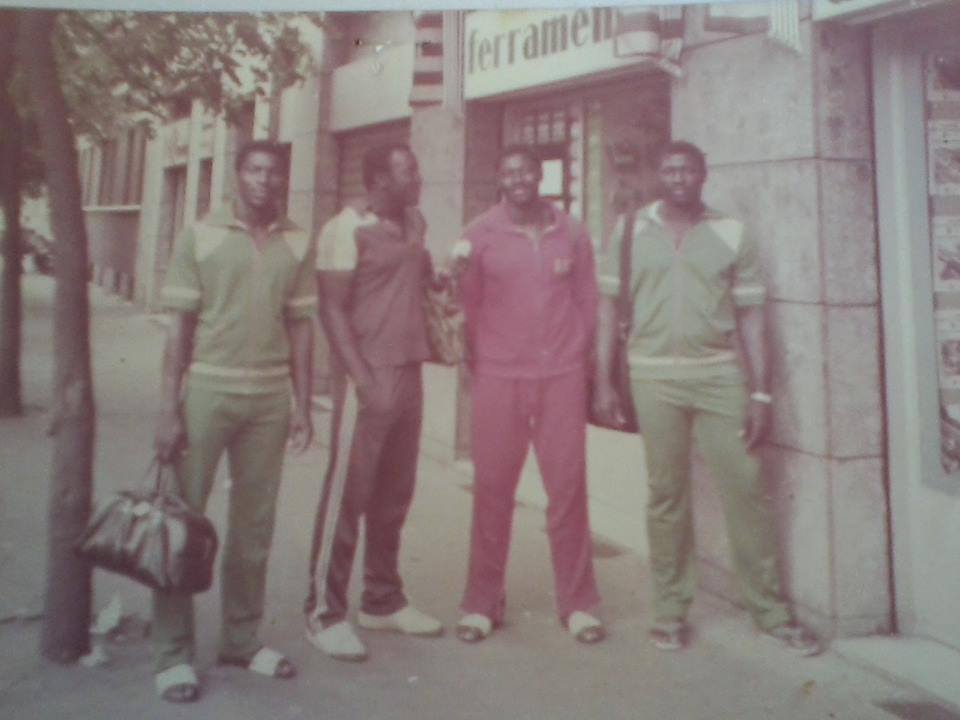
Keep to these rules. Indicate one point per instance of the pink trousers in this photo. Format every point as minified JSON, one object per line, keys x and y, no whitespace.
{"x":507,"y":415}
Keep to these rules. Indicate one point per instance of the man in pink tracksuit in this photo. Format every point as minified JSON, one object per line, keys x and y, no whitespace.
{"x":530,"y":298}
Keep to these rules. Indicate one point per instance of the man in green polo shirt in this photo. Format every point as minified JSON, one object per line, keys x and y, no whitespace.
{"x":697,"y":355}
{"x":242,"y":293}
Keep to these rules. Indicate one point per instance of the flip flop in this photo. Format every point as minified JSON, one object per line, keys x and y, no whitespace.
{"x":266,"y":661}
{"x":178,"y":684}
{"x":670,"y":636}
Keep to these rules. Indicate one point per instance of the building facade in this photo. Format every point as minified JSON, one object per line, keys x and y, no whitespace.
{"x":833,"y":132}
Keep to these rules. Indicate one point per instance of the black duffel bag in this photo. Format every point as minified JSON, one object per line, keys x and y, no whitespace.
{"x":153,"y":537}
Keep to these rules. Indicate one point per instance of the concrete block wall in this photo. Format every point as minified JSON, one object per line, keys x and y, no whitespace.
{"x":788,"y":141}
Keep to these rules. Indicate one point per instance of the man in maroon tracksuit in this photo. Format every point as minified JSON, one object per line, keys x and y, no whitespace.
{"x":372,"y":266}
{"x":530,"y":299}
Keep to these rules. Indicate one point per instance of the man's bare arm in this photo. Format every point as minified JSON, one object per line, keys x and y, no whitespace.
{"x":178,"y":350}
{"x":751,"y":333}
{"x":300,"y":333}
{"x":333,"y":288}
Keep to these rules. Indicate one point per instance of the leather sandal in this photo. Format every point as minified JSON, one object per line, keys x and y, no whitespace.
{"x":670,"y":636}
{"x":585,"y":628}
{"x":474,"y":627}
{"x":178,"y":684}
{"x":266,"y":661}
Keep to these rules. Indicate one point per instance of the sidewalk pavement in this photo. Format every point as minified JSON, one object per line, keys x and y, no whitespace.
{"x":530,"y":669}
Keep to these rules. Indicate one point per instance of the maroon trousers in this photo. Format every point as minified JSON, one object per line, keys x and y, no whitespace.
{"x":372,"y":473}
{"x":508,"y":414}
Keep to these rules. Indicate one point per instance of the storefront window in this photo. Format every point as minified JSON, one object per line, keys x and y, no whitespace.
{"x":597,"y":145}
{"x":551,"y":186}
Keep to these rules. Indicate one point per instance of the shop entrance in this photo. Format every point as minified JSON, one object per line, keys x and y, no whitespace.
{"x":917,"y":112}
{"x":596,"y":145}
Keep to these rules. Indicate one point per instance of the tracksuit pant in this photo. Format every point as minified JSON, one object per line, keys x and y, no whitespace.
{"x":711,"y":411}
{"x":507,"y":415}
{"x":252,"y":429}
{"x":372,"y":473}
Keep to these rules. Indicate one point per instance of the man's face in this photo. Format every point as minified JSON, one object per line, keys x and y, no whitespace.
{"x":260,"y":180}
{"x":403,"y":181}
{"x":519,"y":179}
{"x":681,"y":178}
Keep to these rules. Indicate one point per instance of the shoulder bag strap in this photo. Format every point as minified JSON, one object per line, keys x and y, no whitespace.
{"x":625,"y":301}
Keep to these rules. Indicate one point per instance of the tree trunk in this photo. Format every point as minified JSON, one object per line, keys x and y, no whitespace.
{"x":10,"y":198}
{"x":67,"y":604}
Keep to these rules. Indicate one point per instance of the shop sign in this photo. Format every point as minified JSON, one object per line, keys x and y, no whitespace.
{"x":865,"y":10}
{"x":513,"y":50}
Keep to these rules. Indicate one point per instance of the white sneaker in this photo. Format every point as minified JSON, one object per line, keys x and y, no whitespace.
{"x":407,"y":620}
{"x":338,"y":641}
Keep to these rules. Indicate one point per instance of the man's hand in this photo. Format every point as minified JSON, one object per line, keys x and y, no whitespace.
{"x":756,"y":424}
{"x":171,"y":437}
{"x":606,"y":405}
{"x":301,"y":430}
{"x":459,"y":257}
{"x":368,"y":394}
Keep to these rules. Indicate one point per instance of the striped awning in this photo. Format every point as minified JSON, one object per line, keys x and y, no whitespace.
{"x":428,"y":62}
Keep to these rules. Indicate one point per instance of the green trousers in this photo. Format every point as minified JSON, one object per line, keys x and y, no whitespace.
{"x":252,"y":429}
{"x":673,"y":413}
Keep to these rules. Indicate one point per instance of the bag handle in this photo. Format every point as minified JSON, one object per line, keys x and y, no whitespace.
{"x":160,"y":477}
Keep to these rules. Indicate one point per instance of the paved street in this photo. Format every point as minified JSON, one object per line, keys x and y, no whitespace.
{"x":529,"y":670}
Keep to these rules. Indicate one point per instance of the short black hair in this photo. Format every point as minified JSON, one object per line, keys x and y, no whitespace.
{"x":264,"y":146}
{"x":376,"y":160}
{"x":681,"y":147}
{"x":523,"y":151}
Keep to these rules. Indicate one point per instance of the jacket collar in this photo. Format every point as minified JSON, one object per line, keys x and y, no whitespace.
{"x":501,"y":217}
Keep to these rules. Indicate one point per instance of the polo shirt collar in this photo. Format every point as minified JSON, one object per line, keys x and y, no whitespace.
{"x":226,"y":218}
{"x":656,"y":208}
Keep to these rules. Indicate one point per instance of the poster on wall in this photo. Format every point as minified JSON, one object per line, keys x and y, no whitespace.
{"x":942,"y":89}
{"x":946,"y":253}
{"x":948,"y":348}
{"x":943,"y":78}
{"x":943,"y":138}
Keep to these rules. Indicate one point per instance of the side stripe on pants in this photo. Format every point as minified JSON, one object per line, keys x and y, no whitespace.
{"x":338,"y":480}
